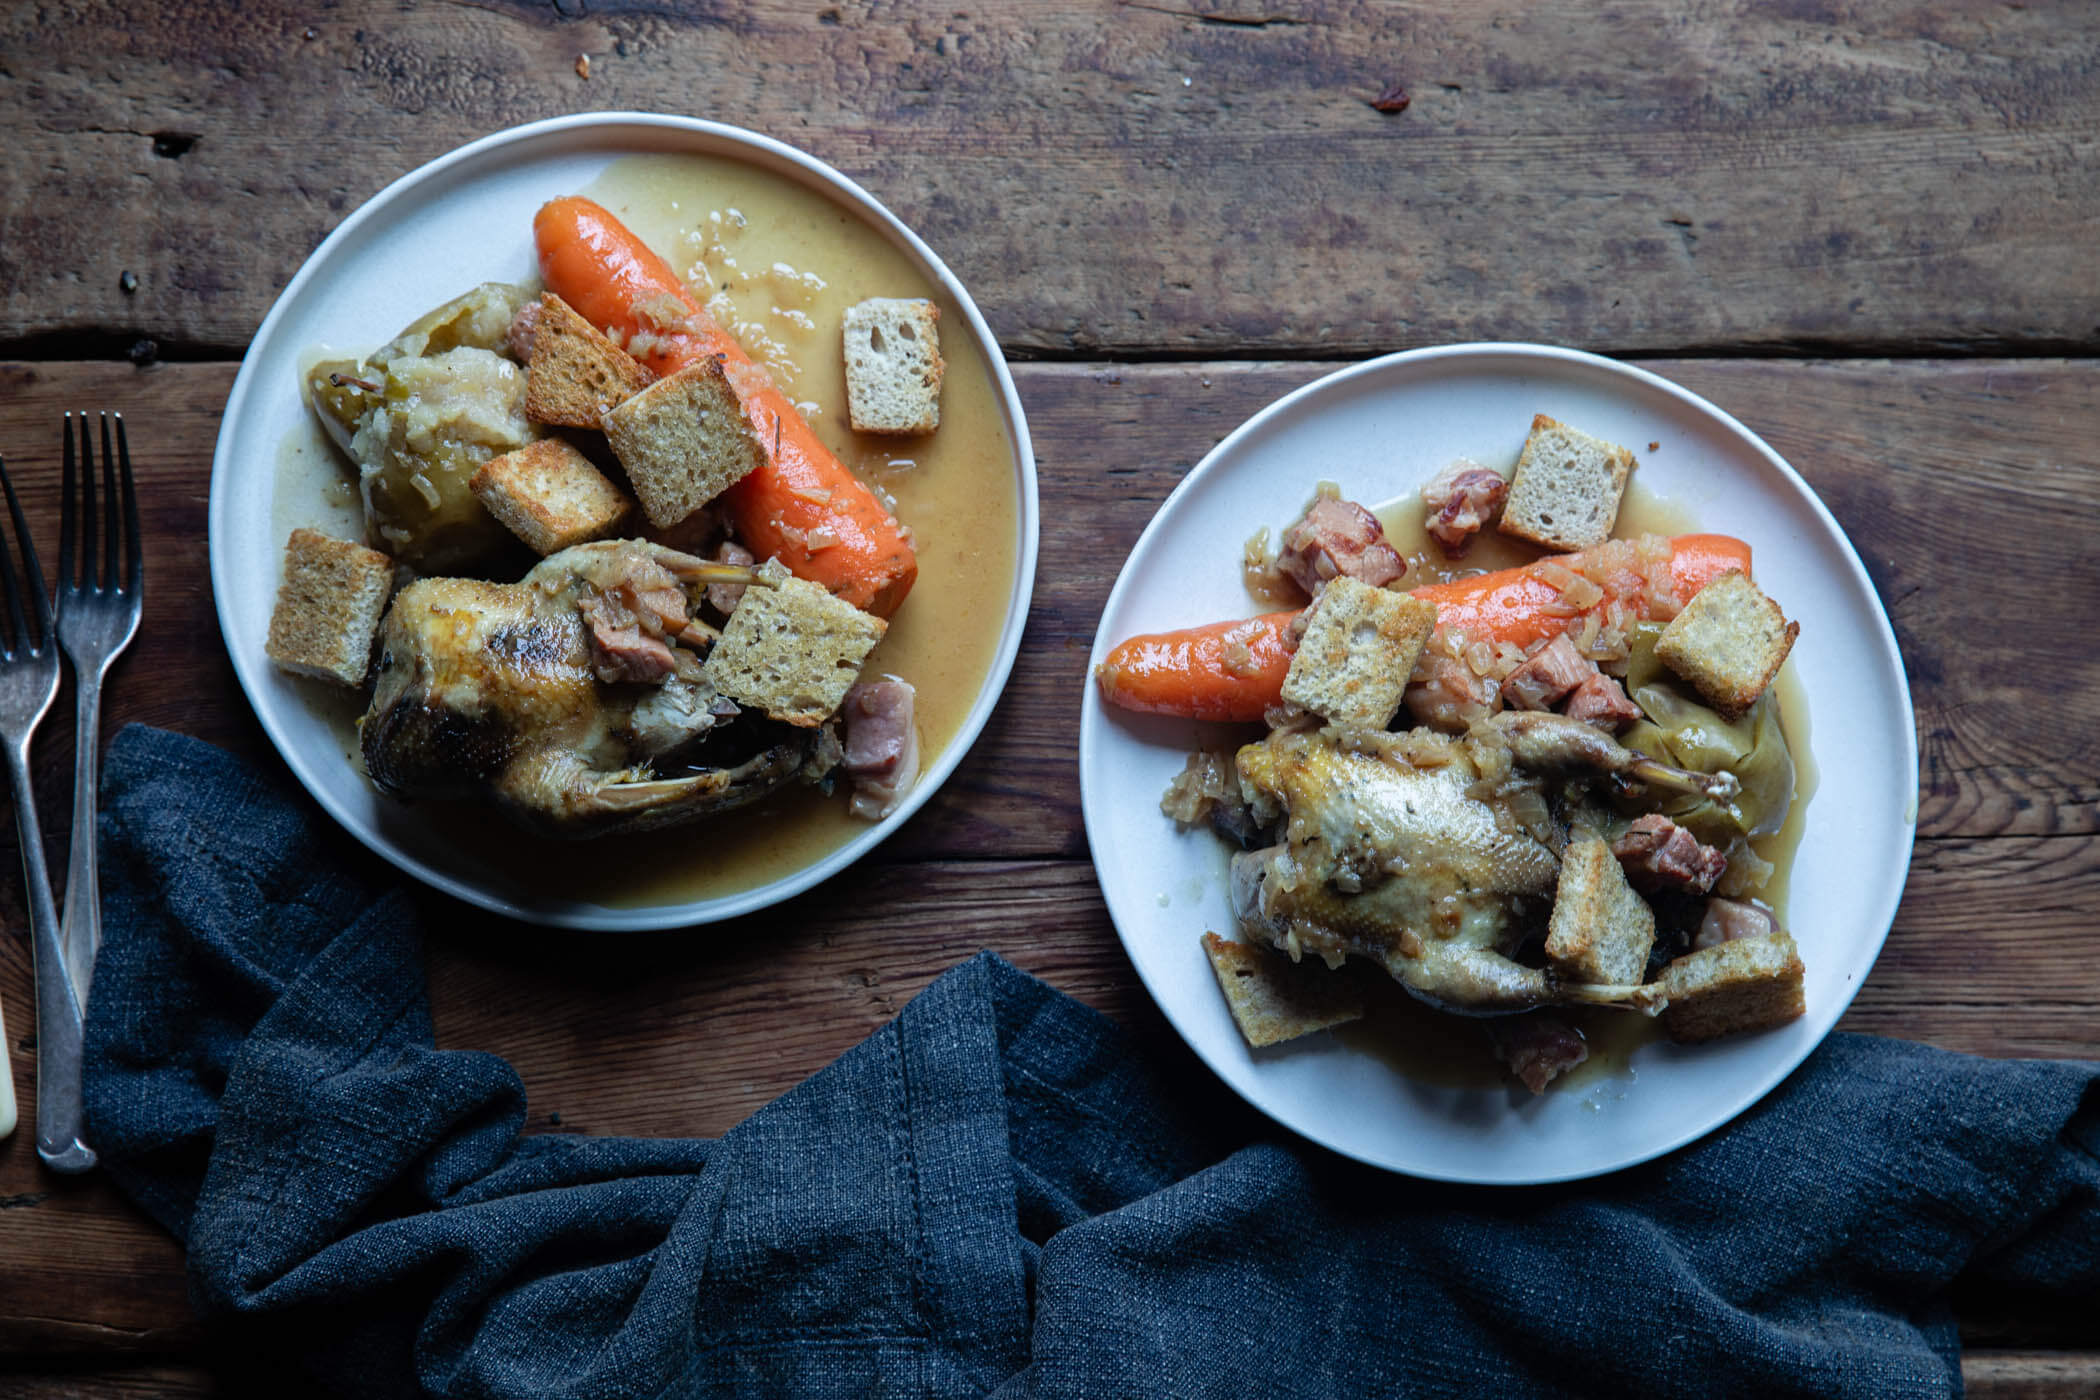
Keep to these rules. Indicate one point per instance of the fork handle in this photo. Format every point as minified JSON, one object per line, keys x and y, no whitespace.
{"x":80,"y":928}
{"x":58,"y":1021}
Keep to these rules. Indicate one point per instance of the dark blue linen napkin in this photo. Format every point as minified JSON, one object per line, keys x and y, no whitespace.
{"x":994,"y":1194}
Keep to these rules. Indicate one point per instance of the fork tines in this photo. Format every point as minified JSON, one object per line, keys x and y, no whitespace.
{"x":23,"y":638}
{"x":89,"y":576}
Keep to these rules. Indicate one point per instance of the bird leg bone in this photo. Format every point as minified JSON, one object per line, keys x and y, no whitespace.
{"x":1549,"y":743}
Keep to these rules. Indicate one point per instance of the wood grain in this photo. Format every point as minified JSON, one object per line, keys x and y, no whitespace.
{"x":1964,"y":485}
{"x":1191,"y":177}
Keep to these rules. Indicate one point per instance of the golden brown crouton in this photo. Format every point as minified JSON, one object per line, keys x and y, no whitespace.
{"x":575,"y":374}
{"x":1745,"y":984}
{"x":1273,"y":999}
{"x":550,"y":496}
{"x":683,"y":440}
{"x":792,"y":650}
{"x":328,"y":607}
{"x":1601,"y":930}
{"x":894,"y":365}
{"x":1729,"y":642}
{"x":1565,"y":491}
{"x":1359,"y":649}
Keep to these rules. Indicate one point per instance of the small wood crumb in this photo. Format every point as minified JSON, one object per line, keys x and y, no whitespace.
{"x":1394,"y":99}
{"x":583,"y":66}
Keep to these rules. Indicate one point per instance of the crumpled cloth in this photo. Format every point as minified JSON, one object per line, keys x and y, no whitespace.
{"x":992,"y":1195}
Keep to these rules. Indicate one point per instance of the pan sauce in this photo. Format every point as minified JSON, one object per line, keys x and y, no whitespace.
{"x":785,"y":263}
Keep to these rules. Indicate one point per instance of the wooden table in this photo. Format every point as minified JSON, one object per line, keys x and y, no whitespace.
{"x":1870,"y":231}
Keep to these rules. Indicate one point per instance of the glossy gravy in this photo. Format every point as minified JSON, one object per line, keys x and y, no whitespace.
{"x":780,"y":265}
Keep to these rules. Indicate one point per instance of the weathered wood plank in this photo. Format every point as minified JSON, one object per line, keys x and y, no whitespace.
{"x":705,"y":1026}
{"x":1967,"y":488}
{"x":1118,"y":178}
{"x":1909,"y":456}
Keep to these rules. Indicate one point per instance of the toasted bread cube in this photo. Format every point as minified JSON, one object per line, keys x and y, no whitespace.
{"x":1745,"y":984}
{"x":576,"y":374}
{"x":684,"y":441}
{"x":1565,"y":491}
{"x":1273,"y":999}
{"x":1359,"y":648}
{"x":1601,"y":931}
{"x":1729,"y":642}
{"x":894,"y":365}
{"x":792,"y":650}
{"x":328,"y":607}
{"x":550,"y":496}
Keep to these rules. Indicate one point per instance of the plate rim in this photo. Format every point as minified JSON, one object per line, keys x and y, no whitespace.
{"x":1093,"y":715}
{"x":605,"y":127}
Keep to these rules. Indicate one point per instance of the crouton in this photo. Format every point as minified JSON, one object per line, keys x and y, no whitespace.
{"x":1601,"y":931}
{"x":1745,"y":984}
{"x":683,"y":440}
{"x":894,"y":365}
{"x":550,"y":496}
{"x":1729,"y":642}
{"x":1565,"y":491}
{"x":328,"y":607}
{"x":1273,"y":999}
{"x":575,"y":374}
{"x":1359,"y":648}
{"x":792,"y":650}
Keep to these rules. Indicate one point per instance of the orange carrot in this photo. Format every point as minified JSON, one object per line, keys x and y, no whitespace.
{"x":1510,"y":605}
{"x":1235,"y":670}
{"x":801,"y":505}
{"x":1201,"y":672}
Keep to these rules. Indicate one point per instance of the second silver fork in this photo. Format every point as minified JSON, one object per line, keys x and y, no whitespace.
{"x":99,"y":605}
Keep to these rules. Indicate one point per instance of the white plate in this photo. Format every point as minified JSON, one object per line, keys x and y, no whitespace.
{"x":477,"y":204}
{"x":1381,"y":429}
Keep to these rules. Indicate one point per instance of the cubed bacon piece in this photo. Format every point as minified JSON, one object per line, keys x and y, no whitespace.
{"x":523,"y":327}
{"x":1337,"y":537}
{"x":1661,"y":855}
{"x":723,"y":597}
{"x":1602,"y":701}
{"x":1548,"y":676}
{"x":1450,"y":697}
{"x":629,"y":654}
{"x":1729,"y":919}
{"x":1461,"y":502}
{"x":882,"y":745}
{"x":1538,"y":1047}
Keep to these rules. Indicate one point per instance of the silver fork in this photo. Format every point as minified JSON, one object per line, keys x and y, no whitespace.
{"x":28,"y":681}
{"x":98,"y":615}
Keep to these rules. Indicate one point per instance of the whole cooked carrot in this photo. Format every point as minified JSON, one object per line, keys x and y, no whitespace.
{"x":1512,"y":605}
{"x":1235,"y":670}
{"x":1226,"y":670}
{"x":801,"y":506}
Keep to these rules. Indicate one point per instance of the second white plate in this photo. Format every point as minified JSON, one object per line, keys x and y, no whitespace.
{"x":1381,"y":429}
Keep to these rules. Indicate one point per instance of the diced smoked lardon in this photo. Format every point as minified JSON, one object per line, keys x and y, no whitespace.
{"x":1445,"y":694}
{"x":523,"y":327}
{"x":882,"y":745}
{"x":1538,"y":1047}
{"x":1729,"y":919}
{"x":1602,"y":701}
{"x":1547,"y":677}
{"x":1338,"y":537}
{"x":1462,"y":501}
{"x":723,"y":597}
{"x":1659,"y":854}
